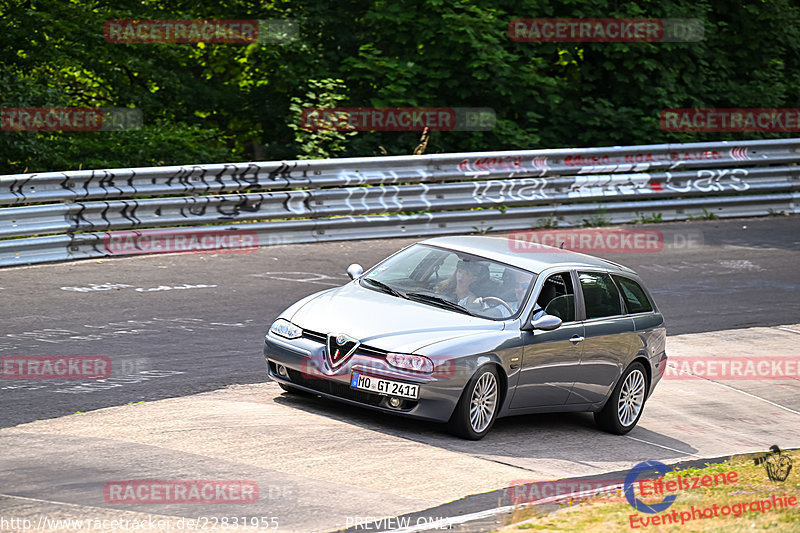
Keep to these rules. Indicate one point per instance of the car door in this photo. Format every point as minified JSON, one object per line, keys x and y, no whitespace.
{"x":608,"y":338}
{"x":550,"y":358}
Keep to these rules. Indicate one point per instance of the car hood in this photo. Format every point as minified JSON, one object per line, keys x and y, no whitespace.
{"x":384,"y":321}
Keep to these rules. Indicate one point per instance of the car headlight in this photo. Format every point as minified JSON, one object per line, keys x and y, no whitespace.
{"x":284,"y":328}
{"x":419,"y":363}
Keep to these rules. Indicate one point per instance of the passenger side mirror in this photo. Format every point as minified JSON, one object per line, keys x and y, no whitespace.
{"x":355,"y":270}
{"x":546,"y":323}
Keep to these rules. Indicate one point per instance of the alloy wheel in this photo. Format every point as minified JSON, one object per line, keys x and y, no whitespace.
{"x":483,"y":402}
{"x":631,"y":398}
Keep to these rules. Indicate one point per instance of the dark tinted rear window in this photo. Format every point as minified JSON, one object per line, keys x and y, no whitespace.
{"x":634,"y":295}
{"x":600,"y":295}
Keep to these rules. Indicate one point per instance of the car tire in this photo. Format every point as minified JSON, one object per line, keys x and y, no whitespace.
{"x":626,"y":404}
{"x":477,"y":408}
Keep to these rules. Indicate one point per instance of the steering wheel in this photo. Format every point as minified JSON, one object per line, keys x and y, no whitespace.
{"x":498,"y":300}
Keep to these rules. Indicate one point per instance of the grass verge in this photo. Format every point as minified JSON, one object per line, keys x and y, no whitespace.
{"x":612,"y":512}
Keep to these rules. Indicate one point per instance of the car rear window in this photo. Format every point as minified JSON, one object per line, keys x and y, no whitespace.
{"x":635,"y":297}
{"x":600,"y":295}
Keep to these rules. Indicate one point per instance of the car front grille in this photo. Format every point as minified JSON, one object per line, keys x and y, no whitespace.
{"x":315,"y":336}
{"x":362,"y":349}
{"x":334,"y":388}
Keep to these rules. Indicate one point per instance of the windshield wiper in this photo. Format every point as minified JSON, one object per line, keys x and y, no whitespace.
{"x":438,"y":300}
{"x":385,"y":288}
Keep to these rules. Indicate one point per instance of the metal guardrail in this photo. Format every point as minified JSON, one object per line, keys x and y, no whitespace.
{"x":68,"y":215}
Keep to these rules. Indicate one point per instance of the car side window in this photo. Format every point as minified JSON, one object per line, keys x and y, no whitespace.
{"x":635,"y":297}
{"x":600,"y":295}
{"x":557,"y":297}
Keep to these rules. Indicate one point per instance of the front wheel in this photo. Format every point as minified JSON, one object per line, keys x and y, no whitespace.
{"x":478,"y":406}
{"x":625,"y":406}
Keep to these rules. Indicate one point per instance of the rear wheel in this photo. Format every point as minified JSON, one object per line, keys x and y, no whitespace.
{"x":625,"y":406}
{"x":478,"y":406}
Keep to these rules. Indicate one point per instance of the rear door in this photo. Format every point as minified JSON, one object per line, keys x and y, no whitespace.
{"x":609,"y":338}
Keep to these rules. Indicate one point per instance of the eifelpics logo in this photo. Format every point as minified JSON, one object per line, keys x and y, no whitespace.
{"x":777,"y":464}
{"x":659,"y":486}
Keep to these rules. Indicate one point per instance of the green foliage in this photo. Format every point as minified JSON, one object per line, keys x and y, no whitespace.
{"x":596,"y":220}
{"x":707,"y":215}
{"x":207,"y":102}
{"x":546,"y":223}
{"x":649,"y":219}
{"x":318,"y":143}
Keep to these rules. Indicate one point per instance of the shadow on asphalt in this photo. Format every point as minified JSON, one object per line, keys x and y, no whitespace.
{"x":569,"y":437}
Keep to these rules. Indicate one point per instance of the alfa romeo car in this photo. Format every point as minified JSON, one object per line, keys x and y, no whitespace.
{"x":466,"y":329}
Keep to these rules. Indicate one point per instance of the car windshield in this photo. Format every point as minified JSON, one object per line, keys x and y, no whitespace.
{"x":453,"y":280}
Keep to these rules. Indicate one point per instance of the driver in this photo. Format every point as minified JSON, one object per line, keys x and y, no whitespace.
{"x":460,"y":287}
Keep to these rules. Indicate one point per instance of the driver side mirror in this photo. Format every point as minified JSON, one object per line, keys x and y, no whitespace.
{"x":546,"y":323}
{"x":355,"y":270}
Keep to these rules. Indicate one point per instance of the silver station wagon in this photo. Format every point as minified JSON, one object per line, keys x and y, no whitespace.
{"x":466,"y":329}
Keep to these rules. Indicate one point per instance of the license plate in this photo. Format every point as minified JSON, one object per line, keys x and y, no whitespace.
{"x":384,"y":386}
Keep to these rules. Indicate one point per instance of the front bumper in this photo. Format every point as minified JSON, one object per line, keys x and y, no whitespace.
{"x":307,"y":370}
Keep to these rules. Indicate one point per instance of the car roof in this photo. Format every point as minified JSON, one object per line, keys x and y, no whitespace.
{"x":533,"y":257}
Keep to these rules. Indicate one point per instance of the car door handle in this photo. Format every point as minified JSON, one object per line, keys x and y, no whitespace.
{"x":575,"y":339}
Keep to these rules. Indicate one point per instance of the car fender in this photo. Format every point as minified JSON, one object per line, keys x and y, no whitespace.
{"x":292,"y":310}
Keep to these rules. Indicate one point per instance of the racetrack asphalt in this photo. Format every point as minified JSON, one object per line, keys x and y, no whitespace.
{"x":184,"y":335}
